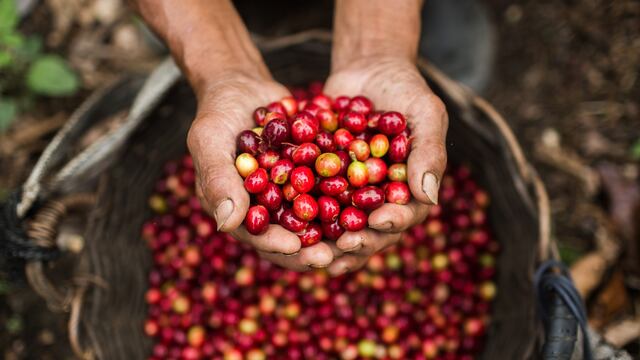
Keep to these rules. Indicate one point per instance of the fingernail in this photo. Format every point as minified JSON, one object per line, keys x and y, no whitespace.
{"x":384,"y":226}
{"x":430,"y":187}
{"x":223,"y":212}
{"x":318,"y":266}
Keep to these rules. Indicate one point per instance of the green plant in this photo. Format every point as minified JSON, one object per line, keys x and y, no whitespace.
{"x":26,"y":71}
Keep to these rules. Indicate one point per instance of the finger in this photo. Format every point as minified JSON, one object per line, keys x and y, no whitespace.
{"x":365,"y":241}
{"x":373,"y":243}
{"x":315,"y":256}
{"x":334,"y":248}
{"x":428,"y":158}
{"x":276,"y":239}
{"x":351,"y":241}
{"x":223,"y":195}
{"x":397,"y":218}
{"x":345,"y":264}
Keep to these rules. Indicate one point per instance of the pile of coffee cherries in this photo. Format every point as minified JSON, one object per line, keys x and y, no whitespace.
{"x":212,"y":297}
{"x":317,"y":166}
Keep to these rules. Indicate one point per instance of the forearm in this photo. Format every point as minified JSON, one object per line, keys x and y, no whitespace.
{"x":366,"y":28}
{"x":206,"y":37}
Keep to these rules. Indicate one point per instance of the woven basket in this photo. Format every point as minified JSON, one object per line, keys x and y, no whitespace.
{"x":107,"y":314}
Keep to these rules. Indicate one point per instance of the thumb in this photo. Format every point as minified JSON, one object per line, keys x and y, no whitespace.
{"x":428,"y":157}
{"x":221,"y":188}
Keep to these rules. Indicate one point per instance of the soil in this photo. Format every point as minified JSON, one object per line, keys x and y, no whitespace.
{"x":566,"y":79}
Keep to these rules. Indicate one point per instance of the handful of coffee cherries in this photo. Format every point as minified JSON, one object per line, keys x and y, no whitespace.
{"x":318,"y":166}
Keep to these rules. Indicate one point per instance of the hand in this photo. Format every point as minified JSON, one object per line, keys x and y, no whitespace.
{"x":225,"y":106}
{"x":394,"y":84}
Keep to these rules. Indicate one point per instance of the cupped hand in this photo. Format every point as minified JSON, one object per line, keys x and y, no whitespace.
{"x":394,"y":84}
{"x":225,"y":108}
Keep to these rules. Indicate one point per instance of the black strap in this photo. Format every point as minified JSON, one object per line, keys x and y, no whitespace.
{"x":15,"y":247}
{"x":561,"y":307}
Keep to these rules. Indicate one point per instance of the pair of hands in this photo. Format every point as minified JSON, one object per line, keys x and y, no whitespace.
{"x":225,"y":108}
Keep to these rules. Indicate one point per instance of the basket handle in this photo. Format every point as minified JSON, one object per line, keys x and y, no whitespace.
{"x":562,"y":310}
{"x":75,"y":172}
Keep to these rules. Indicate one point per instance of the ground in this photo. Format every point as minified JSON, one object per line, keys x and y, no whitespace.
{"x":566,"y":79}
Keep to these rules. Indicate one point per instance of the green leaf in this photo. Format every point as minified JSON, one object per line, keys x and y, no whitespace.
{"x":50,"y":75}
{"x":32,"y":47}
{"x":635,"y":150}
{"x":8,"y":15}
{"x":5,"y":59}
{"x":8,"y":112}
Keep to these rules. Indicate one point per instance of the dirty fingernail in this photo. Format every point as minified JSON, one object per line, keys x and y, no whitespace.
{"x":223,"y":212}
{"x":430,"y":187}
{"x":383,"y":226}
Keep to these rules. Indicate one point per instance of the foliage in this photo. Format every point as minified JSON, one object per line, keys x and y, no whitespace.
{"x":26,"y":71}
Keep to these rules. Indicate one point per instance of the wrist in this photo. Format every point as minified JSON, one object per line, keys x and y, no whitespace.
{"x":206,"y":38}
{"x":375,"y":29}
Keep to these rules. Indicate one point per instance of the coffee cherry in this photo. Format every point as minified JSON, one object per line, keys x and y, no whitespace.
{"x":328,"y":120}
{"x":399,"y":149}
{"x":289,"y":192}
{"x":329,"y":209}
{"x":257,"y":220}
{"x":377,"y":170}
{"x":328,"y":164}
{"x":274,"y":116}
{"x":302,"y":179}
{"x":325,"y":142}
{"x":311,"y":235}
{"x":281,"y":171}
{"x":392,"y":123}
{"x":359,"y":149}
{"x":286,"y":151}
{"x":267,"y":159}
{"x":257,"y":181}
{"x":277,"y":107}
{"x":333,"y":186}
{"x":305,"y":207}
{"x":341,"y":103}
{"x":345,"y":160}
{"x":397,"y":193}
{"x":368,"y":198}
{"x":379,"y":145}
{"x":259,"y":115}
{"x":332,"y":230}
{"x":290,"y":105}
{"x":397,"y":172}
{"x":373,"y":118}
{"x":248,"y":142}
{"x":308,"y":117}
{"x":353,"y":219}
{"x":357,"y":174}
{"x":271,"y":197}
{"x":345,"y":197}
{"x":291,"y":222}
{"x":360,"y":104}
{"x":303,"y":131}
{"x":342,"y":138}
{"x":246,"y":164}
{"x":355,"y":122}
{"x":306,"y":154}
{"x":276,"y":132}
